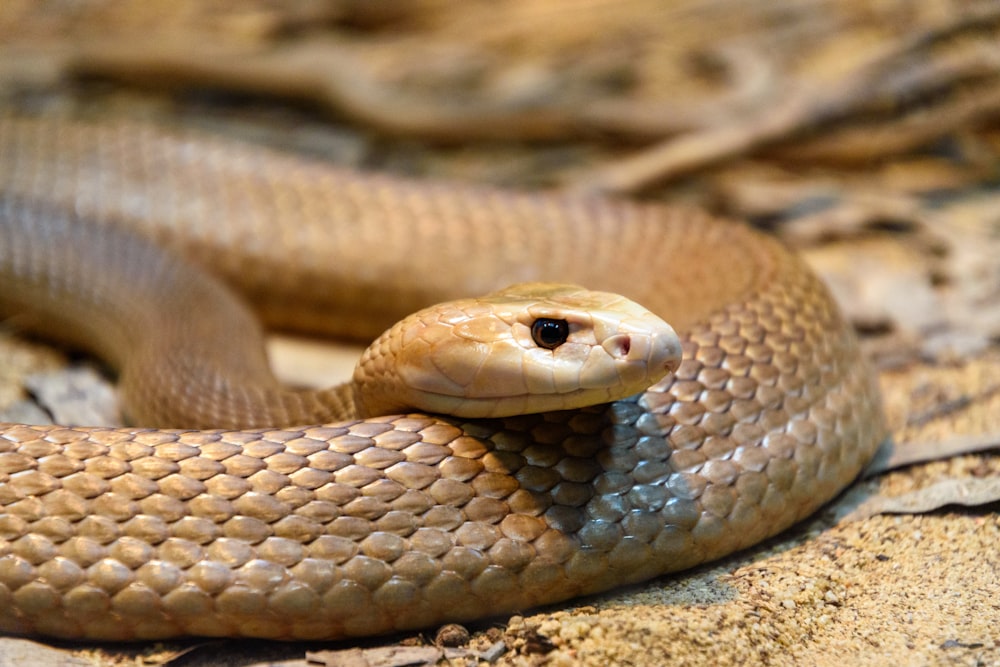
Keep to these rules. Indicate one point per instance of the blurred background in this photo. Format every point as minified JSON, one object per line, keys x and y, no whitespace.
{"x":864,"y":134}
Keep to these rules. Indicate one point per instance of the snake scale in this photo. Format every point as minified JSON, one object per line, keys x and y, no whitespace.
{"x":272,"y":514}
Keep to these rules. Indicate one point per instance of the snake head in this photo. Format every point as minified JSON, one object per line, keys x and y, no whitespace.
{"x":531,"y":347}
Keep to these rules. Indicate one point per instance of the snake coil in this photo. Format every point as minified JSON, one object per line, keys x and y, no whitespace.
{"x":266,"y":527}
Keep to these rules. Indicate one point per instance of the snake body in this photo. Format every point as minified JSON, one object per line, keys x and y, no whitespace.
{"x":275,"y":514}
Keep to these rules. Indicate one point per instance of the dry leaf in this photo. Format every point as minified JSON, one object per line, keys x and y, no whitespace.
{"x":18,"y":652}
{"x":76,"y":395}
{"x":386,"y":656}
{"x":969,"y":491}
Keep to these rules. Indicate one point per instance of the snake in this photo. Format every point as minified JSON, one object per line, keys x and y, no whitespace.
{"x":237,"y":507}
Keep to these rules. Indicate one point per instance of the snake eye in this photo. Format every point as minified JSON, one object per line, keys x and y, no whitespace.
{"x":549,"y":333}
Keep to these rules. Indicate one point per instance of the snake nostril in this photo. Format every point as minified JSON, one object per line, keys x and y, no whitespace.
{"x":618,"y":346}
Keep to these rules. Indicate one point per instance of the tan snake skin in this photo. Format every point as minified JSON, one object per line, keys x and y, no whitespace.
{"x":367,"y":526}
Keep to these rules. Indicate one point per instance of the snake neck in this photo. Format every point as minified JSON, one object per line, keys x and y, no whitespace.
{"x":213,"y":401}
{"x":166,"y":325}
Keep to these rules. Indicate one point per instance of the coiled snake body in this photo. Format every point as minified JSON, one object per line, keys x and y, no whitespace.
{"x":266,"y":526}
